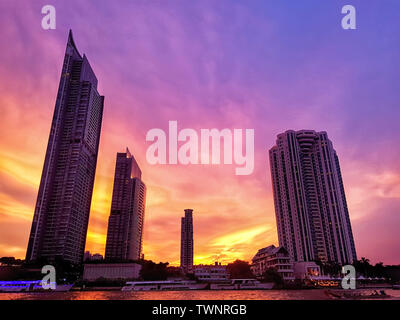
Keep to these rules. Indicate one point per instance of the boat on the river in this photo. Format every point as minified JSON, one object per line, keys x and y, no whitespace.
{"x":167,"y":285}
{"x":30,"y":286}
{"x":242,"y":284}
{"x":357,"y":294}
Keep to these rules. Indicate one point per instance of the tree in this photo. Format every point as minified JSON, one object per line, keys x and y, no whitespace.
{"x":174,"y":272}
{"x":363,"y":267}
{"x":154,"y":271}
{"x":332,"y":268}
{"x":7,"y":260}
{"x":239,"y":270}
{"x":379,"y":270}
{"x":329,"y":267}
{"x":272,"y":275}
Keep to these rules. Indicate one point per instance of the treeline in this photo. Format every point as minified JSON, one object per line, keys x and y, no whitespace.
{"x":363,"y":268}
{"x":162,"y":271}
{"x":379,"y":270}
{"x":9,"y":261}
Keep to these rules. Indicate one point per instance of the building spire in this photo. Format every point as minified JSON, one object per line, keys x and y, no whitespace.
{"x":128,"y":153}
{"x":71,"y":42}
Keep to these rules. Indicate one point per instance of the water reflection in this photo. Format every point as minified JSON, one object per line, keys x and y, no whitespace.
{"x":179,"y":295}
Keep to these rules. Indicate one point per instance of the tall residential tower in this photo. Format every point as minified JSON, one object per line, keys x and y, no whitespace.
{"x":125,"y":224}
{"x":187,"y":241}
{"x":311,"y":211}
{"x":62,"y":208}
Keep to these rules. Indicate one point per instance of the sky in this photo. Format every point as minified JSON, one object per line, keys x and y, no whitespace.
{"x":263,"y":65}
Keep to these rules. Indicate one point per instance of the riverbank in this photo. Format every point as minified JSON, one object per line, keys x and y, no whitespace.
{"x":312,"y":294}
{"x":304,"y":288}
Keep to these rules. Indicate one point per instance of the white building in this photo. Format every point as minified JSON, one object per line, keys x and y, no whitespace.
{"x":111,"y":271}
{"x":273,"y":257}
{"x":211,"y":273}
{"x":312,"y":216}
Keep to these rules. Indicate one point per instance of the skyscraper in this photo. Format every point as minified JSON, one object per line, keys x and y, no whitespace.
{"x":125,"y":224}
{"x":310,"y":204}
{"x":62,"y":208}
{"x":187,"y":241}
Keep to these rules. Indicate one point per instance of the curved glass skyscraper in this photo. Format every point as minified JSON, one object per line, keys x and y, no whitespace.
{"x":62,"y":209}
{"x":126,"y":221}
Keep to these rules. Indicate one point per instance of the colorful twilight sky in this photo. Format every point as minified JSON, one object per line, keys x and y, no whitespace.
{"x":264,"y":65}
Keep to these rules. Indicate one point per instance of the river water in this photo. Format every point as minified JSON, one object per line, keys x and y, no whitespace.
{"x":314,"y":294}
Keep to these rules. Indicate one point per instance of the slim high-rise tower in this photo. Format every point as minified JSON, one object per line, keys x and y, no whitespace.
{"x":125,"y":224}
{"x":62,"y":209}
{"x":311,"y":211}
{"x":187,"y":241}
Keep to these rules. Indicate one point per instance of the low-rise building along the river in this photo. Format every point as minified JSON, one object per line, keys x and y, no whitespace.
{"x":306,"y":270}
{"x":211,"y":273}
{"x":273,"y":257}
{"x":111,"y":271}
